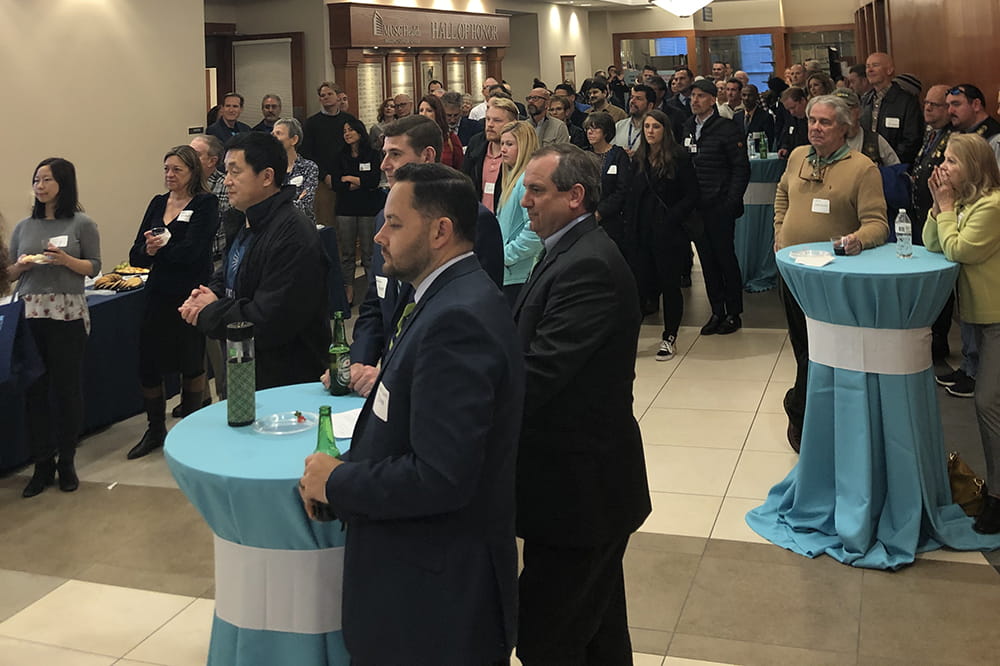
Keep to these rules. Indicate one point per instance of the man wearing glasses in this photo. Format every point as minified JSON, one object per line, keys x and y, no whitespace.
{"x":827,"y":190}
{"x":549,"y":131}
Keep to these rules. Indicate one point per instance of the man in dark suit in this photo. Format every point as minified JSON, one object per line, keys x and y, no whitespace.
{"x":753,"y":117}
{"x":581,"y":475}
{"x":427,"y":488}
{"x":414,"y":139}
{"x":482,"y":161}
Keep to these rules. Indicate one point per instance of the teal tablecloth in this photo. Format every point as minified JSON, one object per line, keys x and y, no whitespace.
{"x":871,"y":485}
{"x":754,"y":238}
{"x":244,"y":484}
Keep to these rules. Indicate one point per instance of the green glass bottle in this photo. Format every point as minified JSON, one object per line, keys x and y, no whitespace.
{"x":340,"y":358}
{"x":325,"y":443}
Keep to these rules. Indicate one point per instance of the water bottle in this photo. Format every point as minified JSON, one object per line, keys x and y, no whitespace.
{"x":904,"y":235}
{"x":240,"y":374}
{"x":751,"y":146}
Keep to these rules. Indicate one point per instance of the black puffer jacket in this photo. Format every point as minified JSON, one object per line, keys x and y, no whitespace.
{"x":721,"y":164}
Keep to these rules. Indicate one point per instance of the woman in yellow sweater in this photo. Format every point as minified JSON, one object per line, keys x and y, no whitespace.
{"x":964,"y":224}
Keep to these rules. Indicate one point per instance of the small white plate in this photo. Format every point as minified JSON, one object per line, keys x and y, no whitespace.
{"x":285,"y":423}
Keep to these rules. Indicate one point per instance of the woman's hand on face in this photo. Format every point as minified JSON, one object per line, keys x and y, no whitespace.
{"x":941,"y":189}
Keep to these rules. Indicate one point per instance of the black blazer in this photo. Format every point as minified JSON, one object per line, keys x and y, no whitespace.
{"x":427,"y":489}
{"x":581,"y":474}
{"x":760,"y":121}
{"x":468,"y":128}
{"x":472,"y":165}
{"x":616,"y":172}
{"x":900,"y":121}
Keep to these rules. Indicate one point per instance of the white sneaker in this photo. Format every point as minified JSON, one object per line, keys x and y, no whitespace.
{"x":666,"y":351}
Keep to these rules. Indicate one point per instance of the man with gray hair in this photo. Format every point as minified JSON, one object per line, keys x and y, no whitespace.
{"x":827,"y":190}
{"x":270,"y":108}
{"x":578,"y":319}
{"x":548,"y":130}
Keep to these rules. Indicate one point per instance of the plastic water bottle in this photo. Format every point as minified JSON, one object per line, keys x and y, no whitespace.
{"x":904,"y":235}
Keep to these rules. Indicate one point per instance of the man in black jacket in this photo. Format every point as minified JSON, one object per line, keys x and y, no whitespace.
{"x":275,"y":273}
{"x":753,"y":117}
{"x":891,"y":111}
{"x":718,"y":150}
{"x":323,"y":141}
{"x":795,"y":129}
{"x":482,"y":157}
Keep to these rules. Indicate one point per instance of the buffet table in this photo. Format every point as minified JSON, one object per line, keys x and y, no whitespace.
{"x":754,"y":238}
{"x":277,"y":573}
{"x":871,"y":485}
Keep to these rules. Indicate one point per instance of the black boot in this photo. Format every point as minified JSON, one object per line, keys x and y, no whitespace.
{"x":68,"y":480}
{"x":156,"y":433}
{"x":43,"y":477}
{"x":988,"y":521}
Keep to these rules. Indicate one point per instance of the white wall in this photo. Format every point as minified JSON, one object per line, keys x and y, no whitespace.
{"x":110,"y":85}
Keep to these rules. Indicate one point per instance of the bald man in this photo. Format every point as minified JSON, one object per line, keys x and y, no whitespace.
{"x":890,"y":110}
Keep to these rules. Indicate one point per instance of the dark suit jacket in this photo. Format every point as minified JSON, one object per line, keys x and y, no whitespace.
{"x":377,"y":314}
{"x":581,"y":475}
{"x":427,"y":493}
{"x":900,"y":121}
{"x":472,"y":165}
{"x":760,"y":121}
{"x":468,"y":128}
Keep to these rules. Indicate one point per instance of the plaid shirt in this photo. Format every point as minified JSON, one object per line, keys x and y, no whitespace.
{"x":216,"y":185}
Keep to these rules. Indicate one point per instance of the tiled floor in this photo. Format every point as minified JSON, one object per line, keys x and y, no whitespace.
{"x":120,"y":572}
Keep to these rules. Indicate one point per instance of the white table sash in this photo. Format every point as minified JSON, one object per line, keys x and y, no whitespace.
{"x":884,"y":351}
{"x":760,"y":194}
{"x":295,"y":591}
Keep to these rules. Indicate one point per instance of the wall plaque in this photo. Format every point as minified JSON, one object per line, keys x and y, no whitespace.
{"x":387,"y":26}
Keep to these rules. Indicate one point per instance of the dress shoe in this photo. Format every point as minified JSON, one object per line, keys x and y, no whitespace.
{"x":43,"y":477}
{"x":730,"y":324}
{"x":151,"y":440}
{"x":711,"y":327}
{"x":68,"y":480}
{"x":178,"y":411}
{"x":794,"y":435}
{"x":988,"y":521}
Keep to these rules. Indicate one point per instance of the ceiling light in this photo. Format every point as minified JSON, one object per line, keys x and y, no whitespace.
{"x":680,"y":7}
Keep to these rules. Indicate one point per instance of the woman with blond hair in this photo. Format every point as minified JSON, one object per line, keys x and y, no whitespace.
{"x":964,"y":224}
{"x":521,"y":245}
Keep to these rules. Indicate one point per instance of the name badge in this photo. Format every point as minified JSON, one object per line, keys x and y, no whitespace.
{"x":59,"y":241}
{"x":692,"y":148}
{"x":365,"y":166}
{"x":298,"y":180}
{"x":791,"y":130}
{"x":488,"y":188}
{"x":892,"y":123}
{"x":380,"y":406}
{"x":821,"y":206}
{"x":381,"y":282}
{"x":613,"y":169}
{"x":687,"y":142}
{"x":185,"y":215}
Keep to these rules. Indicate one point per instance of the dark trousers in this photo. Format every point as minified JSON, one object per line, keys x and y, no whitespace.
{"x":717,"y":252}
{"x":662,"y":255}
{"x":55,"y":400}
{"x":795,"y":398}
{"x":511,"y":292}
{"x":572,"y":606}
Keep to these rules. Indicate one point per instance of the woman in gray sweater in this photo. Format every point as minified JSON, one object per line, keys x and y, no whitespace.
{"x":53,"y":250}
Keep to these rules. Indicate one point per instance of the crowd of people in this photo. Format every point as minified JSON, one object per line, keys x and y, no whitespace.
{"x":510,"y":251}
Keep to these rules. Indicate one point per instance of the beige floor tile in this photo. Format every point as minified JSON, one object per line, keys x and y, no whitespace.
{"x":744,"y":368}
{"x":682,"y":515}
{"x":649,"y":641}
{"x":681,"y":661}
{"x":784,"y":369}
{"x":728,"y":395}
{"x":183,"y":641}
{"x":656,"y":586}
{"x":731,"y":523}
{"x":748,"y":342}
{"x":20,"y":589}
{"x":102,"y":619}
{"x":769,"y":432}
{"x":758,"y":471}
{"x":14,"y":652}
{"x":684,"y":469}
{"x":773,"y":396}
{"x":647,"y":388}
{"x":695,"y":427}
{"x":960,"y":556}
{"x":640,"y":659}
{"x":746,"y":653}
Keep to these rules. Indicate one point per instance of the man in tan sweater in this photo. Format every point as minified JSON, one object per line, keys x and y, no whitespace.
{"x":827,"y":190}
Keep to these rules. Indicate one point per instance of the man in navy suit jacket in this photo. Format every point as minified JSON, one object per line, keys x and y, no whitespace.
{"x":413,"y":139}
{"x":427,"y":488}
{"x":754,"y":117}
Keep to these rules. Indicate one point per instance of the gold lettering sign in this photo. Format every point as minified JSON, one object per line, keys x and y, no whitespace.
{"x":383,"y":25}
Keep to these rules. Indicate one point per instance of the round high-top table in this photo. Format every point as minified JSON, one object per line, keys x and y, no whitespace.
{"x":871,"y":486}
{"x":277,"y":574}
{"x":754,"y":238}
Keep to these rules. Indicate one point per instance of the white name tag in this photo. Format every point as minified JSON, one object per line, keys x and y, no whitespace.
{"x":185,"y":215}
{"x":687,"y":142}
{"x":296,"y":181}
{"x":791,"y":130}
{"x":488,"y":188}
{"x":821,"y":206}
{"x":892,"y":122}
{"x":381,"y":282}
{"x":692,"y":148}
{"x":59,"y":241}
{"x":365,"y":166}
{"x":380,"y":406}
{"x":613,"y":169}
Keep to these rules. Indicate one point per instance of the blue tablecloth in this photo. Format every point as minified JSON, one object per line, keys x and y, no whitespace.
{"x":244,"y":484}
{"x":755,"y":230}
{"x":871,"y":485}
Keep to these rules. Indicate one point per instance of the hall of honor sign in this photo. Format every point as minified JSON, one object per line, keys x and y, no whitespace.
{"x":475,"y":32}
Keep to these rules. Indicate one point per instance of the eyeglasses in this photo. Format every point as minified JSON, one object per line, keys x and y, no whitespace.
{"x":816,"y":171}
{"x":936,"y":105}
{"x":532,"y":98}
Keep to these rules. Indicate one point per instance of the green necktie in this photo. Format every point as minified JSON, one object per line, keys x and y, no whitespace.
{"x":539,"y":258}
{"x":407,"y":311}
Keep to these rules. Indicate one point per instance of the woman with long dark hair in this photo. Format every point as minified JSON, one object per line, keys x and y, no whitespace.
{"x":661,"y":203}
{"x":358,"y":200}
{"x":55,"y":248}
{"x":175,"y":242}
{"x":451,"y":146}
